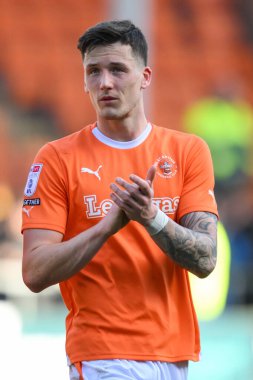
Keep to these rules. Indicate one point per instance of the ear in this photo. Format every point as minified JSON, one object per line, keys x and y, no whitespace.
{"x":147,"y":74}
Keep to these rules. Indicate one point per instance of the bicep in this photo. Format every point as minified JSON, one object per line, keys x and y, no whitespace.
{"x":34,"y":238}
{"x":37,"y":258}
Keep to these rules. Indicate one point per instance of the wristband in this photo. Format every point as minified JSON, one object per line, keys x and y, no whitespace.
{"x":157,"y":224}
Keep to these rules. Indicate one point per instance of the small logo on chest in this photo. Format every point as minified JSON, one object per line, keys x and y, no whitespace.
{"x":166,"y":167}
{"x":94,"y":172}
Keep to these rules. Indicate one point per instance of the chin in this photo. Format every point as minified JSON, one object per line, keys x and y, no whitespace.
{"x":110,"y":116}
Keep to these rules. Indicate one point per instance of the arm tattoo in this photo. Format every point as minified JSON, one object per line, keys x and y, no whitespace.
{"x":193,"y":243}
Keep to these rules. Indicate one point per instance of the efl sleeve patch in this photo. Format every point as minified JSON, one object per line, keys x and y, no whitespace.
{"x":32,"y":180}
{"x":31,"y":202}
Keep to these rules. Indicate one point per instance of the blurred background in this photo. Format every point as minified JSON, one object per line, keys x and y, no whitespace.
{"x":201,"y":53}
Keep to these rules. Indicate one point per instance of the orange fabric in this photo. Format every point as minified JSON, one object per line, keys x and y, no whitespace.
{"x":78,"y":366}
{"x":131,"y":301}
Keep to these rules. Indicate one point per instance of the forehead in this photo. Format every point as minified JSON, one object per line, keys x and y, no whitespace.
{"x":116,"y":52}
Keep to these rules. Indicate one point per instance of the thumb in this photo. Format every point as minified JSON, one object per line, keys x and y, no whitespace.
{"x":151,"y":175}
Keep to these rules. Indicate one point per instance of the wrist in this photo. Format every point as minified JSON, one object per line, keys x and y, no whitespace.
{"x":105,"y":229}
{"x":157,"y":223}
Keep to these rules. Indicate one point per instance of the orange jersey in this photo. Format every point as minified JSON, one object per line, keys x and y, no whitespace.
{"x":131,"y":301}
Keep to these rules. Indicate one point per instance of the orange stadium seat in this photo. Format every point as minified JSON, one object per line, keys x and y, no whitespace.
{"x":42,"y":65}
{"x":41,"y":61}
{"x":189,"y":68}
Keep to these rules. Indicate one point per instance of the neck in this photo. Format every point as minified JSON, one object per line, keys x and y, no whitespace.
{"x":122,"y":130}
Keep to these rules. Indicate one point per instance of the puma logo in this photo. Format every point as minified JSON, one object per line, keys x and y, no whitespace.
{"x":210,"y":192}
{"x":27,"y":211}
{"x":96,"y":174}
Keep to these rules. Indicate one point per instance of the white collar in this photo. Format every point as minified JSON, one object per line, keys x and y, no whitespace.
{"x":122,"y":144}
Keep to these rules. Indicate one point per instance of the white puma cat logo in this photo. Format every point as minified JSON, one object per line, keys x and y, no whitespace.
{"x":87,"y":170}
{"x":210,"y":192}
{"x":27,"y":211}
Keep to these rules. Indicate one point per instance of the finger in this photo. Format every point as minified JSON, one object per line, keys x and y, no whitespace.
{"x":123,"y":194}
{"x":151,"y":175}
{"x":118,"y":202}
{"x":142,"y":184}
{"x":132,"y":196}
{"x":131,"y":188}
{"x":123,"y":205}
{"x":126,"y":197}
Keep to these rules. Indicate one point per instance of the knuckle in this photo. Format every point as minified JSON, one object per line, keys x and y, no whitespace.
{"x":124,"y":195}
{"x":132,"y":191}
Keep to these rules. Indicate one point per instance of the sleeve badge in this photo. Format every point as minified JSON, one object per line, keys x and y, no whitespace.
{"x":32,"y":180}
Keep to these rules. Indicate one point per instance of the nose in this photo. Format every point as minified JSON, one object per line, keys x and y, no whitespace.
{"x":105,"y":80}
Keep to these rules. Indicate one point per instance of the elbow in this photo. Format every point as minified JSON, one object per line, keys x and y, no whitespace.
{"x":207,"y":263}
{"x":203,"y":274}
{"x":206,"y":269}
{"x":33,"y":286}
{"x":32,"y":283}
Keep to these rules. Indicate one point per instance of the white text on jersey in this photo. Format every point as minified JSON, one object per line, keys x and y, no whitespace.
{"x":95,"y":210}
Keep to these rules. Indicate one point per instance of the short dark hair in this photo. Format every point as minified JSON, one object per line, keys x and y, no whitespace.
{"x":109,"y":32}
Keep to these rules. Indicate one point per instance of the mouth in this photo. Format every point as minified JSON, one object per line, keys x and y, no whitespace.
{"x":107,"y":99}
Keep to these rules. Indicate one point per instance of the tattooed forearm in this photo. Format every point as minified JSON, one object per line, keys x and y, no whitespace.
{"x":192,"y":244}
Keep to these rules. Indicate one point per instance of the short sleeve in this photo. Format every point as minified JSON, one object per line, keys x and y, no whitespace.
{"x":198,"y":185}
{"x":45,"y":202}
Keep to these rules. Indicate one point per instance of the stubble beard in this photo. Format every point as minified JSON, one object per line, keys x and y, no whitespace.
{"x":113,"y":114}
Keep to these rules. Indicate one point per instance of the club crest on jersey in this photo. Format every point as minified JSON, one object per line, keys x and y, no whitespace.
{"x":166,"y":167}
{"x":32,"y":180}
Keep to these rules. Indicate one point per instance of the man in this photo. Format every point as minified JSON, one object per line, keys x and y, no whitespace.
{"x":117,"y":214}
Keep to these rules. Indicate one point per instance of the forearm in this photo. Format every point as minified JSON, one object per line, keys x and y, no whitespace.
{"x":49,"y":264}
{"x":194,"y":250}
{"x":191,"y":244}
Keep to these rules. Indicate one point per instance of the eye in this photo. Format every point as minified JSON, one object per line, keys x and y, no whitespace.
{"x":117,"y":69}
{"x":93,"y":71}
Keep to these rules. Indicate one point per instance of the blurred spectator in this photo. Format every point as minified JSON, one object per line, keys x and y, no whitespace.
{"x":225,"y":121}
{"x":244,"y":10}
{"x":184,"y":13}
{"x":22,"y":132}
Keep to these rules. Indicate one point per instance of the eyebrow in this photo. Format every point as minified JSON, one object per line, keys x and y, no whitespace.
{"x":91,"y":65}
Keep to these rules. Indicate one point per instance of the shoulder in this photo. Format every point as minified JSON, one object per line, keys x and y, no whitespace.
{"x":185,"y":140}
{"x":67,"y":144}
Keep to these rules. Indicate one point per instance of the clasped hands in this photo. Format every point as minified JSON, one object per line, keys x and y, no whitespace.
{"x":135,"y":199}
